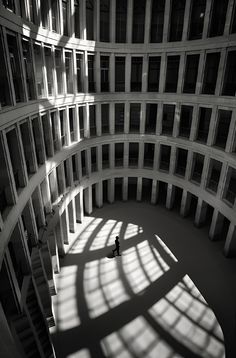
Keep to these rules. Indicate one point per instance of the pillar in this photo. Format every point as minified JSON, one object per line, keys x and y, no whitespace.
{"x":72,"y":215}
{"x":65,"y":226}
{"x":99,"y":194}
{"x":79,"y":208}
{"x":201,"y":211}
{"x":125,"y":189}
{"x":88,"y":200}
{"x":230,"y":243}
{"x":185,"y":203}
{"x":139,"y":189}
{"x":60,"y":238}
{"x":170,"y":197}
{"x":46,"y":195}
{"x":216,"y":227}
{"x":111,"y":190}
{"x":154,"y":194}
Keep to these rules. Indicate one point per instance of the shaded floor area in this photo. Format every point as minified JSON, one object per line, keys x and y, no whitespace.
{"x":168,"y":295}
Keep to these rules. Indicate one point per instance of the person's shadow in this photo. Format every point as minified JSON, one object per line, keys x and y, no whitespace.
{"x":110,"y":255}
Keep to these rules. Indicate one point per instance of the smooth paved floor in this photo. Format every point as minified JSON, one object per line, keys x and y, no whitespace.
{"x":171,"y":293}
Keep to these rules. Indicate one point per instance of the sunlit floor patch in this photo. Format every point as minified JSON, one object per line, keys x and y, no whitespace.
{"x":83,"y":353}
{"x":103,"y":286}
{"x":136,"y":339}
{"x":67,"y":313}
{"x":184,"y":313}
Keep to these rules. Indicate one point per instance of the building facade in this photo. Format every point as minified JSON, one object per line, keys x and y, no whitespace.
{"x":104,"y":100}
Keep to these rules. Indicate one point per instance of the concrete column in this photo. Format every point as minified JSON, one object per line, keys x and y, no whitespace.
{"x":223,"y":181}
{"x":200,"y":72}
{"x":67,"y":125}
{"x":221,"y":69}
{"x":229,"y":14}
{"x":30,"y":223}
{"x":126,"y":154}
{"x":201,"y":211}
{"x":207,"y":19}
{"x":112,"y":71}
{"x":145,"y":73}
{"x":216,"y":227}
{"x":129,"y":21}
{"x":166,"y":21}
{"x":139,"y":189}
{"x":127,"y":72}
{"x":98,"y":119}
{"x":125,"y":189}
{"x":205,"y":172}
{"x":142,"y":118}
{"x":111,"y":190}
{"x":82,"y":10}
{"x":162,"y":72}
{"x":189,"y":165}
{"x":79,"y":208}
{"x":140,"y":155}
{"x":159,"y":119}
{"x":72,"y":215}
{"x":112,"y":117}
{"x":112,"y":21}
{"x":127,"y":117}
{"x":45,"y":191}
{"x":76,"y":123}
{"x":187,"y":17}
{"x":212,"y":127}
{"x":230,"y":243}
{"x":112,"y":155}
{"x":156,"y":158}
{"x":86,"y":122}
{"x":147,"y":28}
{"x":99,"y":194}
{"x":182,"y":63}
{"x":60,"y":238}
{"x":85,"y":84}
{"x":88,"y":200}
{"x":154,"y":194}
{"x":176,"y":120}
{"x":54,"y":251}
{"x":232,"y":131}
{"x":170,"y":197}
{"x":173,"y":159}
{"x":65,"y":226}
{"x":185,"y":203}
{"x":194,"y":126}
{"x":98,"y":72}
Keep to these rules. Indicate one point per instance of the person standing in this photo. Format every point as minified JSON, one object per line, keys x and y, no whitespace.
{"x":117,"y":249}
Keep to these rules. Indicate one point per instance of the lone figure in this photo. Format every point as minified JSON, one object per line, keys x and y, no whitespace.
{"x":117,"y":249}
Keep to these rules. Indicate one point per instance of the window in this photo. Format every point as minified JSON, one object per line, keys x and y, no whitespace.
{"x":6,"y":197}
{"x":9,"y":4}
{"x":233,"y":21}
{"x":15,"y":67}
{"x":214,"y":175}
{"x":151,"y":117}
{"x":79,"y":64}
{"x":185,"y":121}
{"x":65,"y":17}
{"x":83,"y":162}
{"x":191,"y":74}
{"x":58,"y":64}
{"x":133,"y":154}
{"x":154,"y":73}
{"x":38,"y":141}
{"x":49,"y":69}
{"x":62,"y":127}
{"x":32,"y":11}
{"x":119,"y":154}
{"x":210,"y":73}
{"x":164,"y":157}
{"x":172,"y":72}
{"x":134,"y":124}
{"x":119,"y":117}
{"x":104,"y":73}
{"x":168,"y":118}
{"x":91,"y":83}
{"x":44,"y":13}
{"x":71,"y":124}
{"x":54,"y":130}
{"x":92,"y":120}
{"x":176,"y":20}
{"x":27,"y":146}
{"x":27,"y":57}
{"x":105,"y":118}
{"x":121,"y":19}
{"x":105,"y":156}
{"x":69,"y":72}
{"x":139,"y":8}
{"x":104,"y":20}
{"x":229,"y":85}
{"x":94,"y":159}
{"x":197,"y":19}
{"x":230,"y":193}
{"x":204,"y":122}
{"x":54,"y":12}
{"x":120,"y":74}
{"x":81,"y":121}
{"x":218,"y":15}
{"x":5,"y":98}
{"x":148,"y":155}
{"x":157,"y":21}
{"x":198,"y":160}
{"x":181,"y":162}
{"x":89,"y":19}
{"x":77,"y":18}
{"x":136,"y":73}
{"x":39,"y":70}
{"x":224,"y":118}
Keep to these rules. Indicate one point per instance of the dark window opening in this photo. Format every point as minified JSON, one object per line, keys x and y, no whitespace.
{"x":139,"y":9}
{"x":185,"y":121}
{"x":172,"y":72}
{"x":191,"y":74}
{"x":176,"y":20}
{"x":168,"y":118}
{"x":121,"y":20}
{"x":154,"y":73}
{"x":204,"y":122}
{"x":210,"y":73}
{"x":157,"y":21}
{"x":151,"y":117}
{"x":136,"y":73}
